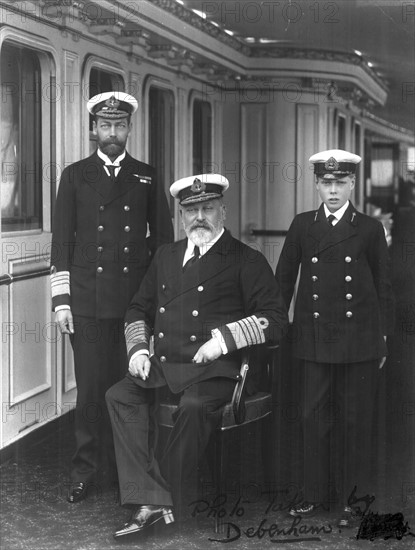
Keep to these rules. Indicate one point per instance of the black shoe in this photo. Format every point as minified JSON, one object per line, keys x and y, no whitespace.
{"x":143,"y":517}
{"x":350,"y":517}
{"x":303,"y":509}
{"x":77,"y":492}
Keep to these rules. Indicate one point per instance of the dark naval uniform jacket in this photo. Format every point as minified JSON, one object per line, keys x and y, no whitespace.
{"x":99,"y":235}
{"x":343,"y":306}
{"x":230,"y":288}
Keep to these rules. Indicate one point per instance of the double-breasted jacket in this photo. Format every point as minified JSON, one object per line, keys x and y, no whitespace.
{"x":343,"y":304}
{"x":231,"y":288}
{"x":100,"y":246}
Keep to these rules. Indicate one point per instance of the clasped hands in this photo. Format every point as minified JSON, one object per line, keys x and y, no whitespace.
{"x":140,"y":364}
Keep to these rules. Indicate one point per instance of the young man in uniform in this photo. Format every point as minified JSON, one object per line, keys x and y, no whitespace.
{"x":342,"y":316}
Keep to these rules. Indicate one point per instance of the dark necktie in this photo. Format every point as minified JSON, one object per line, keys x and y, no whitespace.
{"x":193,"y":259}
{"x":330,"y":219}
{"x":111,"y":170}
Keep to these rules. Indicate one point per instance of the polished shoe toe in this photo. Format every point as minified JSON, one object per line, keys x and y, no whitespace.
{"x":144,"y":517}
{"x":77,"y":492}
{"x":304,"y":509}
{"x":350,"y":517}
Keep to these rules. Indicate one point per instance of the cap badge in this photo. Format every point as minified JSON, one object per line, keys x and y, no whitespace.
{"x":198,"y":186}
{"x":112,"y":103}
{"x":331,"y":164}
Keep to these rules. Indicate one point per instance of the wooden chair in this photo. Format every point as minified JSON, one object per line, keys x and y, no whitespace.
{"x":240,"y":411}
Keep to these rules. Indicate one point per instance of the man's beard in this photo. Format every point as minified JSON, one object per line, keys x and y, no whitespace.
{"x":203,"y":232}
{"x":112,"y":148}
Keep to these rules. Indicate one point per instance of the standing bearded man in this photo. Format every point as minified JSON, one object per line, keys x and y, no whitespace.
{"x":106,"y":206}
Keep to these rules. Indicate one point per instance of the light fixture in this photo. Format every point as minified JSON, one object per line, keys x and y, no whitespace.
{"x":359,"y":53}
{"x":269,"y":41}
{"x":201,"y":14}
{"x":231,"y":33}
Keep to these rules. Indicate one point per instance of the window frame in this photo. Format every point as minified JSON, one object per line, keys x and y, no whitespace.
{"x":205,"y":164}
{"x":93,"y":62}
{"x":48,"y":79}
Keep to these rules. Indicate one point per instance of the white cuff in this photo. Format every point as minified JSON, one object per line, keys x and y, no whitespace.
{"x":62,"y":307}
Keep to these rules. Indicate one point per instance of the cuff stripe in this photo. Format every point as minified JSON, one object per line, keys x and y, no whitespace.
{"x":137,"y":333}
{"x":247,"y":332}
{"x":60,"y":283}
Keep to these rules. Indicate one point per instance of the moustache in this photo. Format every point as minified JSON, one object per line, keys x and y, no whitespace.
{"x":111,"y":141}
{"x":201,"y":225}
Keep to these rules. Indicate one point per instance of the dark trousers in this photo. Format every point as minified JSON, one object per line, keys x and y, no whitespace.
{"x":133,"y":412}
{"x":100,"y":360}
{"x":339,"y":404}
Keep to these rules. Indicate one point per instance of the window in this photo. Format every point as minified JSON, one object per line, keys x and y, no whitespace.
{"x":161,"y":117}
{"x":21,"y":139}
{"x":357,"y":149}
{"x":341,"y":132}
{"x":101,"y":81}
{"x":202,"y":136}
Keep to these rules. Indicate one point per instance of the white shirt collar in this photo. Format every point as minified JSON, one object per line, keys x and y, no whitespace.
{"x":205,"y":247}
{"x":107,"y":160}
{"x":339,"y":213}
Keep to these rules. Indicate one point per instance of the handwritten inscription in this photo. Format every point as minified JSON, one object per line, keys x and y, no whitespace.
{"x":386,"y":526}
{"x":273,"y":530}
{"x":217,"y":508}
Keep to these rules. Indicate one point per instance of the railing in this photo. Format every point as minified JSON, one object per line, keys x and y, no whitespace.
{"x":8,"y":279}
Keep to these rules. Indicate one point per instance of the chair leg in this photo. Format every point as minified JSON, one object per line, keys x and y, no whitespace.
{"x":218,"y":473}
{"x":268,"y":455}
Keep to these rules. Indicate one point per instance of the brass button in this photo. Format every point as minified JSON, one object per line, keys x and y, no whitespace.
{"x":100,"y":269}
{"x":126,"y":208}
{"x":101,"y":208}
{"x":162,"y":359}
{"x":125,"y":269}
{"x":126,"y":250}
{"x":315,"y":296}
{"x":100,"y":249}
{"x":161,"y":334}
{"x":200,"y":288}
{"x":127,"y":228}
{"x":349,"y":296}
{"x":314,"y":278}
{"x":316,"y":315}
{"x":195,"y":313}
{"x":314,"y":259}
{"x":347,"y":278}
{"x":163,"y":287}
{"x":193,"y":338}
{"x":162,"y":310}
{"x":349,"y":314}
{"x":100,"y":228}
{"x":347,"y":259}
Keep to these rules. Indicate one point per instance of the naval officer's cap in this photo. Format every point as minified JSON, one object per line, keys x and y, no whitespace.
{"x":334,"y":163}
{"x":112,"y":105}
{"x":204,"y":187}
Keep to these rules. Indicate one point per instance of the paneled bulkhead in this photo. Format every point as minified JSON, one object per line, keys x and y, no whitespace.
{"x":207,"y":101}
